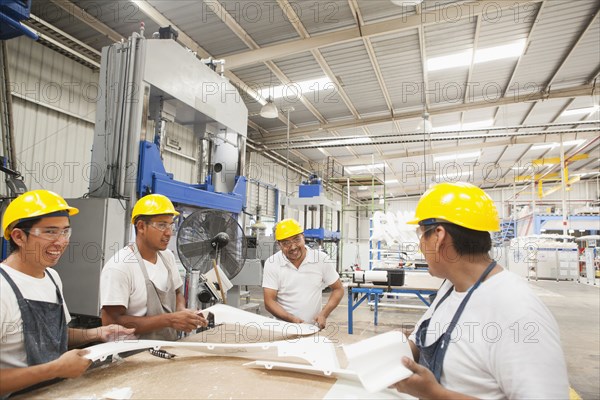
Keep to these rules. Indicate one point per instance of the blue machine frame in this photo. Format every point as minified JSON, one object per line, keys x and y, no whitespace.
{"x":153,"y":178}
{"x":11,"y":13}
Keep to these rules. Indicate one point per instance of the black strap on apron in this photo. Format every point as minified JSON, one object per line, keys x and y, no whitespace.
{"x":432,"y":356}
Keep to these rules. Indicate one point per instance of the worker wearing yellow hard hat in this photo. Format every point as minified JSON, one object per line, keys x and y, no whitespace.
{"x":33,"y":314}
{"x":306,"y":272}
{"x":140,"y":285}
{"x":486,"y":334}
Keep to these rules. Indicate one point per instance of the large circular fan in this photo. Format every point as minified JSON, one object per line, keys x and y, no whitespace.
{"x":206,"y":233}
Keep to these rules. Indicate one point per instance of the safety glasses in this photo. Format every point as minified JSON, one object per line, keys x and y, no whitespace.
{"x":422,"y":229}
{"x":289,"y":242}
{"x":162,"y":226}
{"x":50,"y":234}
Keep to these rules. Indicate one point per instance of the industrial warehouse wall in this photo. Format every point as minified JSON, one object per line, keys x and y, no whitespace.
{"x":581,"y":193}
{"x":54,"y":106}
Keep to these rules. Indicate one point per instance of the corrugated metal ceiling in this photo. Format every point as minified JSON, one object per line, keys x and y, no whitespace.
{"x":374,"y":50}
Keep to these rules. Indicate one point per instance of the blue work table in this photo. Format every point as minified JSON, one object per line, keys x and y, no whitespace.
{"x":372,"y":292}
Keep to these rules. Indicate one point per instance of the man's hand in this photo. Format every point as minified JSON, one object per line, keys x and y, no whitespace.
{"x":296,"y":320}
{"x":321,"y":320}
{"x":115,"y":333}
{"x":187,"y":320}
{"x":421,"y":384}
{"x":72,"y":364}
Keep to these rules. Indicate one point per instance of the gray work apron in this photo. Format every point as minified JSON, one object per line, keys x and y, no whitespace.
{"x":44,"y":325}
{"x":158,"y":301}
{"x":432,"y":356}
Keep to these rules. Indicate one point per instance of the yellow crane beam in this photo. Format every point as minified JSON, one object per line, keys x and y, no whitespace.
{"x":556,"y":160}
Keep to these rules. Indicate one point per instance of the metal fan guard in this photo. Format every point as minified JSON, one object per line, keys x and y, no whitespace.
{"x":194,"y":239}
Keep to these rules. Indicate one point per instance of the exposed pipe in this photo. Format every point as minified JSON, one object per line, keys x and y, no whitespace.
{"x":398,"y":139}
{"x":7,"y":111}
{"x":499,"y":128}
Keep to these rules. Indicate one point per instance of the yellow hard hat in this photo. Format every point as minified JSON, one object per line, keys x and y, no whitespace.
{"x":153,"y":204}
{"x":33,"y":204}
{"x":459,"y":203}
{"x":287,"y":228}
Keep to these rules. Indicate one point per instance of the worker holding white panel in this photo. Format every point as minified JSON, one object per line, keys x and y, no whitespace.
{"x":33,"y":315}
{"x":140,"y":285}
{"x":294,"y":279}
{"x":486,"y":335}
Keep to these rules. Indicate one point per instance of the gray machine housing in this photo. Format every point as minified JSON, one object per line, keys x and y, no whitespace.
{"x":98,"y":234}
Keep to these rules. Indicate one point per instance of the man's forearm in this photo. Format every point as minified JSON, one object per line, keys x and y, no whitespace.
{"x":14,"y":379}
{"x":78,"y":337}
{"x":334,"y":299}
{"x":279,"y":312}
{"x":141,"y":324}
{"x":181,"y":304}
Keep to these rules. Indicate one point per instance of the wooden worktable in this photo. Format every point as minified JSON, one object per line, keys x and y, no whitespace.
{"x":192,"y":375}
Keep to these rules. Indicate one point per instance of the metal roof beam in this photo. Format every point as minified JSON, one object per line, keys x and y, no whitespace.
{"x":572,"y":49}
{"x":452,"y":149}
{"x":584,"y":90}
{"x":88,"y":19}
{"x":468,"y":9}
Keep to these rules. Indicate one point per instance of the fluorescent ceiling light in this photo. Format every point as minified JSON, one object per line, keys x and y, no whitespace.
{"x":361,"y":168}
{"x":363,"y":188}
{"x":390,"y":181}
{"x":461,"y":59}
{"x":553,"y":145}
{"x":359,"y":140}
{"x":511,"y":50}
{"x":458,"y":156}
{"x":297,"y":89}
{"x":464,"y":58}
{"x":406,"y":3}
{"x":580,"y":111}
{"x":469,"y":125}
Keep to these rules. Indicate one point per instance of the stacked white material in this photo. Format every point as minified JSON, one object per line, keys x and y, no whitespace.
{"x":546,"y":256}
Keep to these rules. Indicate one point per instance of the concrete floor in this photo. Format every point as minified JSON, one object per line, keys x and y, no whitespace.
{"x":575,"y":306}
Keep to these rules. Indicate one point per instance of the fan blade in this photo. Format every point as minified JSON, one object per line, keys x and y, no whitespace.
{"x":195,"y":249}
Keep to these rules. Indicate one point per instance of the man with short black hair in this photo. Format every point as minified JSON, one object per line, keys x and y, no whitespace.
{"x":33,"y":315}
{"x":486,"y":335}
{"x":140,"y":285}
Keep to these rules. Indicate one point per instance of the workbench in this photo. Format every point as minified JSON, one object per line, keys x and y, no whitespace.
{"x":417,"y":283}
{"x":193,"y":375}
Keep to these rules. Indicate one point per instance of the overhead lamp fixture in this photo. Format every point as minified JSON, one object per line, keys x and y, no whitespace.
{"x":269,"y":110}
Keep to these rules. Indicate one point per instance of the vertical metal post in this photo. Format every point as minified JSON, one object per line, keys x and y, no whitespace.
{"x":563,"y":180}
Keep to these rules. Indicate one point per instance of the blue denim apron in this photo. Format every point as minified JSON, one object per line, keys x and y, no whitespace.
{"x":432,"y":356}
{"x":44,"y":325}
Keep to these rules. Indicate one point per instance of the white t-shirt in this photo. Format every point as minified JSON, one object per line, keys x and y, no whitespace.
{"x":299,"y":290}
{"x":122,"y":281}
{"x":506,"y":343}
{"x":12,"y":342}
